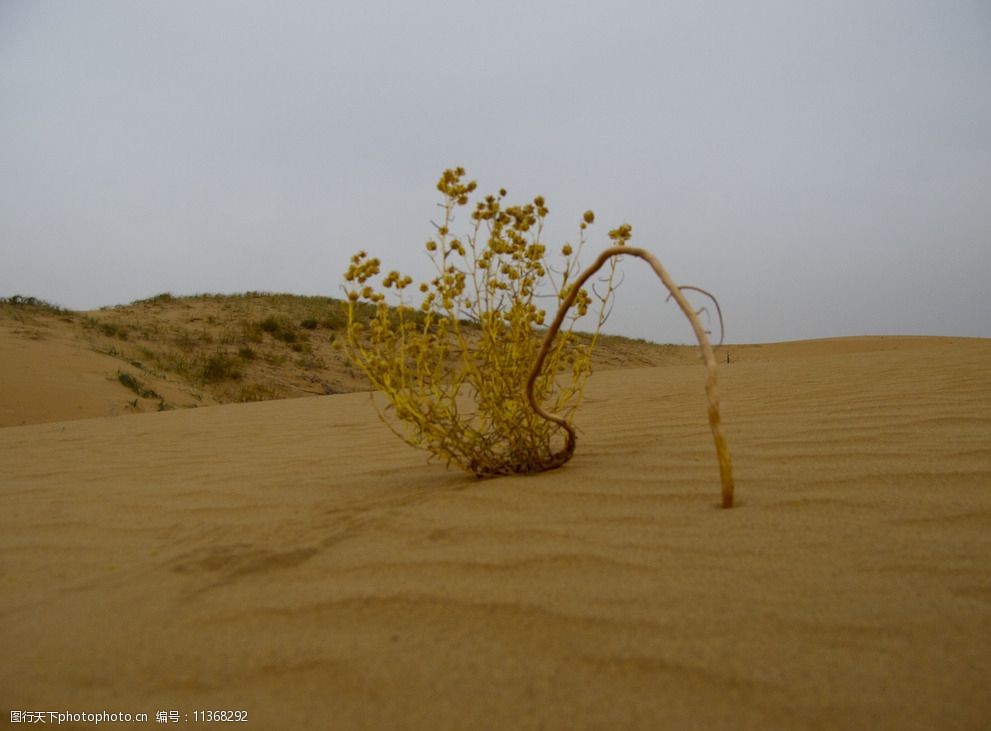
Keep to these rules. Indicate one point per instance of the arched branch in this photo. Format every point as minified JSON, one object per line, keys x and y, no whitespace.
{"x":711,"y":389}
{"x":719,"y":312}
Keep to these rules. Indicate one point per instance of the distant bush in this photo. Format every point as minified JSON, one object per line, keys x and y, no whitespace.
{"x":271,"y":325}
{"x":158,"y":299}
{"x":109,"y":328}
{"x":279,"y":329}
{"x":33,"y":303}
{"x":220,"y":367}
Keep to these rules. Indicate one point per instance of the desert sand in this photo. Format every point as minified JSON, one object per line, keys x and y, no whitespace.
{"x":294,"y":560}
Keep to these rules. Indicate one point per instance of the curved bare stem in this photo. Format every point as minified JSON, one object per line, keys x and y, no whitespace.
{"x":711,"y":387}
{"x":719,"y":312}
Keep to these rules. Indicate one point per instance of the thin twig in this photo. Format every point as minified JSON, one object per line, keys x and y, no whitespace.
{"x":719,"y":312}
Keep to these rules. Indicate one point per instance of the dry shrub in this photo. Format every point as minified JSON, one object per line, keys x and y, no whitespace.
{"x":454,"y":366}
{"x":467,"y":370}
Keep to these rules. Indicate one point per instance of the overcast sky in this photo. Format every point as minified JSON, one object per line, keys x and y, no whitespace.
{"x":823,"y":167}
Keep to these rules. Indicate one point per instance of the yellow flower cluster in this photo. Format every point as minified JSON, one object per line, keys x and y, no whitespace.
{"x":454,"y":368}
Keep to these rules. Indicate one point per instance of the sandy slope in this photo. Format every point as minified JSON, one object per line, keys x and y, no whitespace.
{"x":47,"y":374}
{"x":292,"y":559}
{"x":50,"y":379}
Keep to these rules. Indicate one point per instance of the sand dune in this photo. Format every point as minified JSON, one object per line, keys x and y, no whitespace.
{"x":293,"y":559}
{"x":47,"y":373}
{"x":52,"y":380}
{"x":181,"y":352}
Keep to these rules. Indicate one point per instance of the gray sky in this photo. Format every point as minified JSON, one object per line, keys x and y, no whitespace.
{"x":823,"y":167}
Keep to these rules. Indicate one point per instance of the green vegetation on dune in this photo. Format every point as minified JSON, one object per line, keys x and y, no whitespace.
{"x":230,"y":348}
{"x":241,"y":347}
{"x":18,"y":305}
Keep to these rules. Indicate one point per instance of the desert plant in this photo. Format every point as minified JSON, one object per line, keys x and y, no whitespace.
{"x":454,"y":367}
{"x":219,"y":367}
{"x":280,"y":329}
{"x":271,"y":325}
{"x":158,"y":299}
{"x":474,"y":338}
{"x":110,"y":328}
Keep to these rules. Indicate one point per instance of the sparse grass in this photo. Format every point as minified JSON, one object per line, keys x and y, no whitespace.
{"x":252,"y":332}
{"x":309,"y":362}
{"x":282,"y":329}
{"x":129,"y":381}
{"x":255,"y":392}
{"x":22,"y":302}
{"x":159,"y":299}
{"x":110,"y":328}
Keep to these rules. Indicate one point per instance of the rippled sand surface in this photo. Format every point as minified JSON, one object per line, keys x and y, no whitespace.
{"x":293,"y":559}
